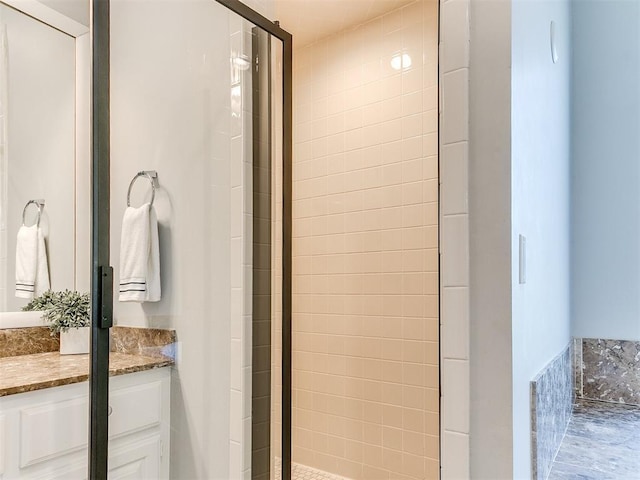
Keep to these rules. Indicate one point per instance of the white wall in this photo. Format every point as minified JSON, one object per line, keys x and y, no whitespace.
{"x":540,"y":136}
{"x":77,"y":10}
{"x":605,"y":170}
{"x":40,"y":145}
{"x":489,"y":230}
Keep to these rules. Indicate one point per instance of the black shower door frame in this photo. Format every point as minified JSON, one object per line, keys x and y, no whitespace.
{"x":102,"y":272}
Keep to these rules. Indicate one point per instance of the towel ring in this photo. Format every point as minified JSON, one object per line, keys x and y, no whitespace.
{"x":39,"y":204}
{"x":151,"y":175}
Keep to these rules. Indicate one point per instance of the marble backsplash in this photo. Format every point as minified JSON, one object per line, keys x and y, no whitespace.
{"x":551,"y":406}
{"x":607,"y":370}
{"x":148,"y":342}
{"x":25,"y":341}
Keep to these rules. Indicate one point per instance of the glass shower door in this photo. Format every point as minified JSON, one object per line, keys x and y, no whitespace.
{"x":196,"y":140}
{"x":157,"y":143}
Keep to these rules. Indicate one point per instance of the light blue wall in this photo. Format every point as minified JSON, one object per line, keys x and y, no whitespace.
{"x":540,"y":139}
{"x":606,"y":169}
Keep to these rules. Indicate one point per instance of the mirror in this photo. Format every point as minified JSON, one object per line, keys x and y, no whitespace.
{"x":44,"y":139}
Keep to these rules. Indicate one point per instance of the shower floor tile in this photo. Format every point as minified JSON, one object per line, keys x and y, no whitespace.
{"x":302,"y":472}
{"x":601,"y":443}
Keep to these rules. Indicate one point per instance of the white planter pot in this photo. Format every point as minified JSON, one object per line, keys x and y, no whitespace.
{"x":75,"y":341}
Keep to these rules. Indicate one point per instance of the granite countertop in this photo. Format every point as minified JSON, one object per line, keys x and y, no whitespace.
{"x":26,"y":373}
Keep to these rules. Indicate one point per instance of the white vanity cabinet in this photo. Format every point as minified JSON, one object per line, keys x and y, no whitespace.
{"x":43,"y":434}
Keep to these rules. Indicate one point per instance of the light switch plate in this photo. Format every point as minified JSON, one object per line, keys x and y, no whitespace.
{"x":553,"y":41}
{"x":522,"y":263}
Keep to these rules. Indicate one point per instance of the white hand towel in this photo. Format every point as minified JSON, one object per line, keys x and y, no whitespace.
{"x":140,"y":256}
{"x":32,"y":268}
{"x":42,"y":274}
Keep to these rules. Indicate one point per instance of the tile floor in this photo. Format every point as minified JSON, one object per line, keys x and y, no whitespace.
{"x":302,"y":472}
{"x":601,"y":443}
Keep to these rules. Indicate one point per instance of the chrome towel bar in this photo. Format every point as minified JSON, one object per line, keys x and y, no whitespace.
{"x":151,"y":175}
{"x":39,"y":203}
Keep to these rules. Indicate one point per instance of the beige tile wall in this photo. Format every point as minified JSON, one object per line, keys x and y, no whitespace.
{"x":366,"y":375}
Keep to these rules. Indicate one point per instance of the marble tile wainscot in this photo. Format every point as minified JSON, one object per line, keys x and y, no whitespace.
{"x":609,"y":370}
{"x":551,"y":406}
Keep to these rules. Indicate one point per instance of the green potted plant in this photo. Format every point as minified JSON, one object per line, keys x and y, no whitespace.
{"x":67,"y":313}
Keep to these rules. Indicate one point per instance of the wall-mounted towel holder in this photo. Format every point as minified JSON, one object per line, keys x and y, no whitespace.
{"x":39,"y":203}
{"x":152,"y":175}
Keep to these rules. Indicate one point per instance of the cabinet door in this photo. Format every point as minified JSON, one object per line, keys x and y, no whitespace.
{"x":2,"y":453}
{"x":136,"y":461}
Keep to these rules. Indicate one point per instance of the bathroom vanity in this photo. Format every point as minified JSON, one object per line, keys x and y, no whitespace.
{"x":44,"y":411}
